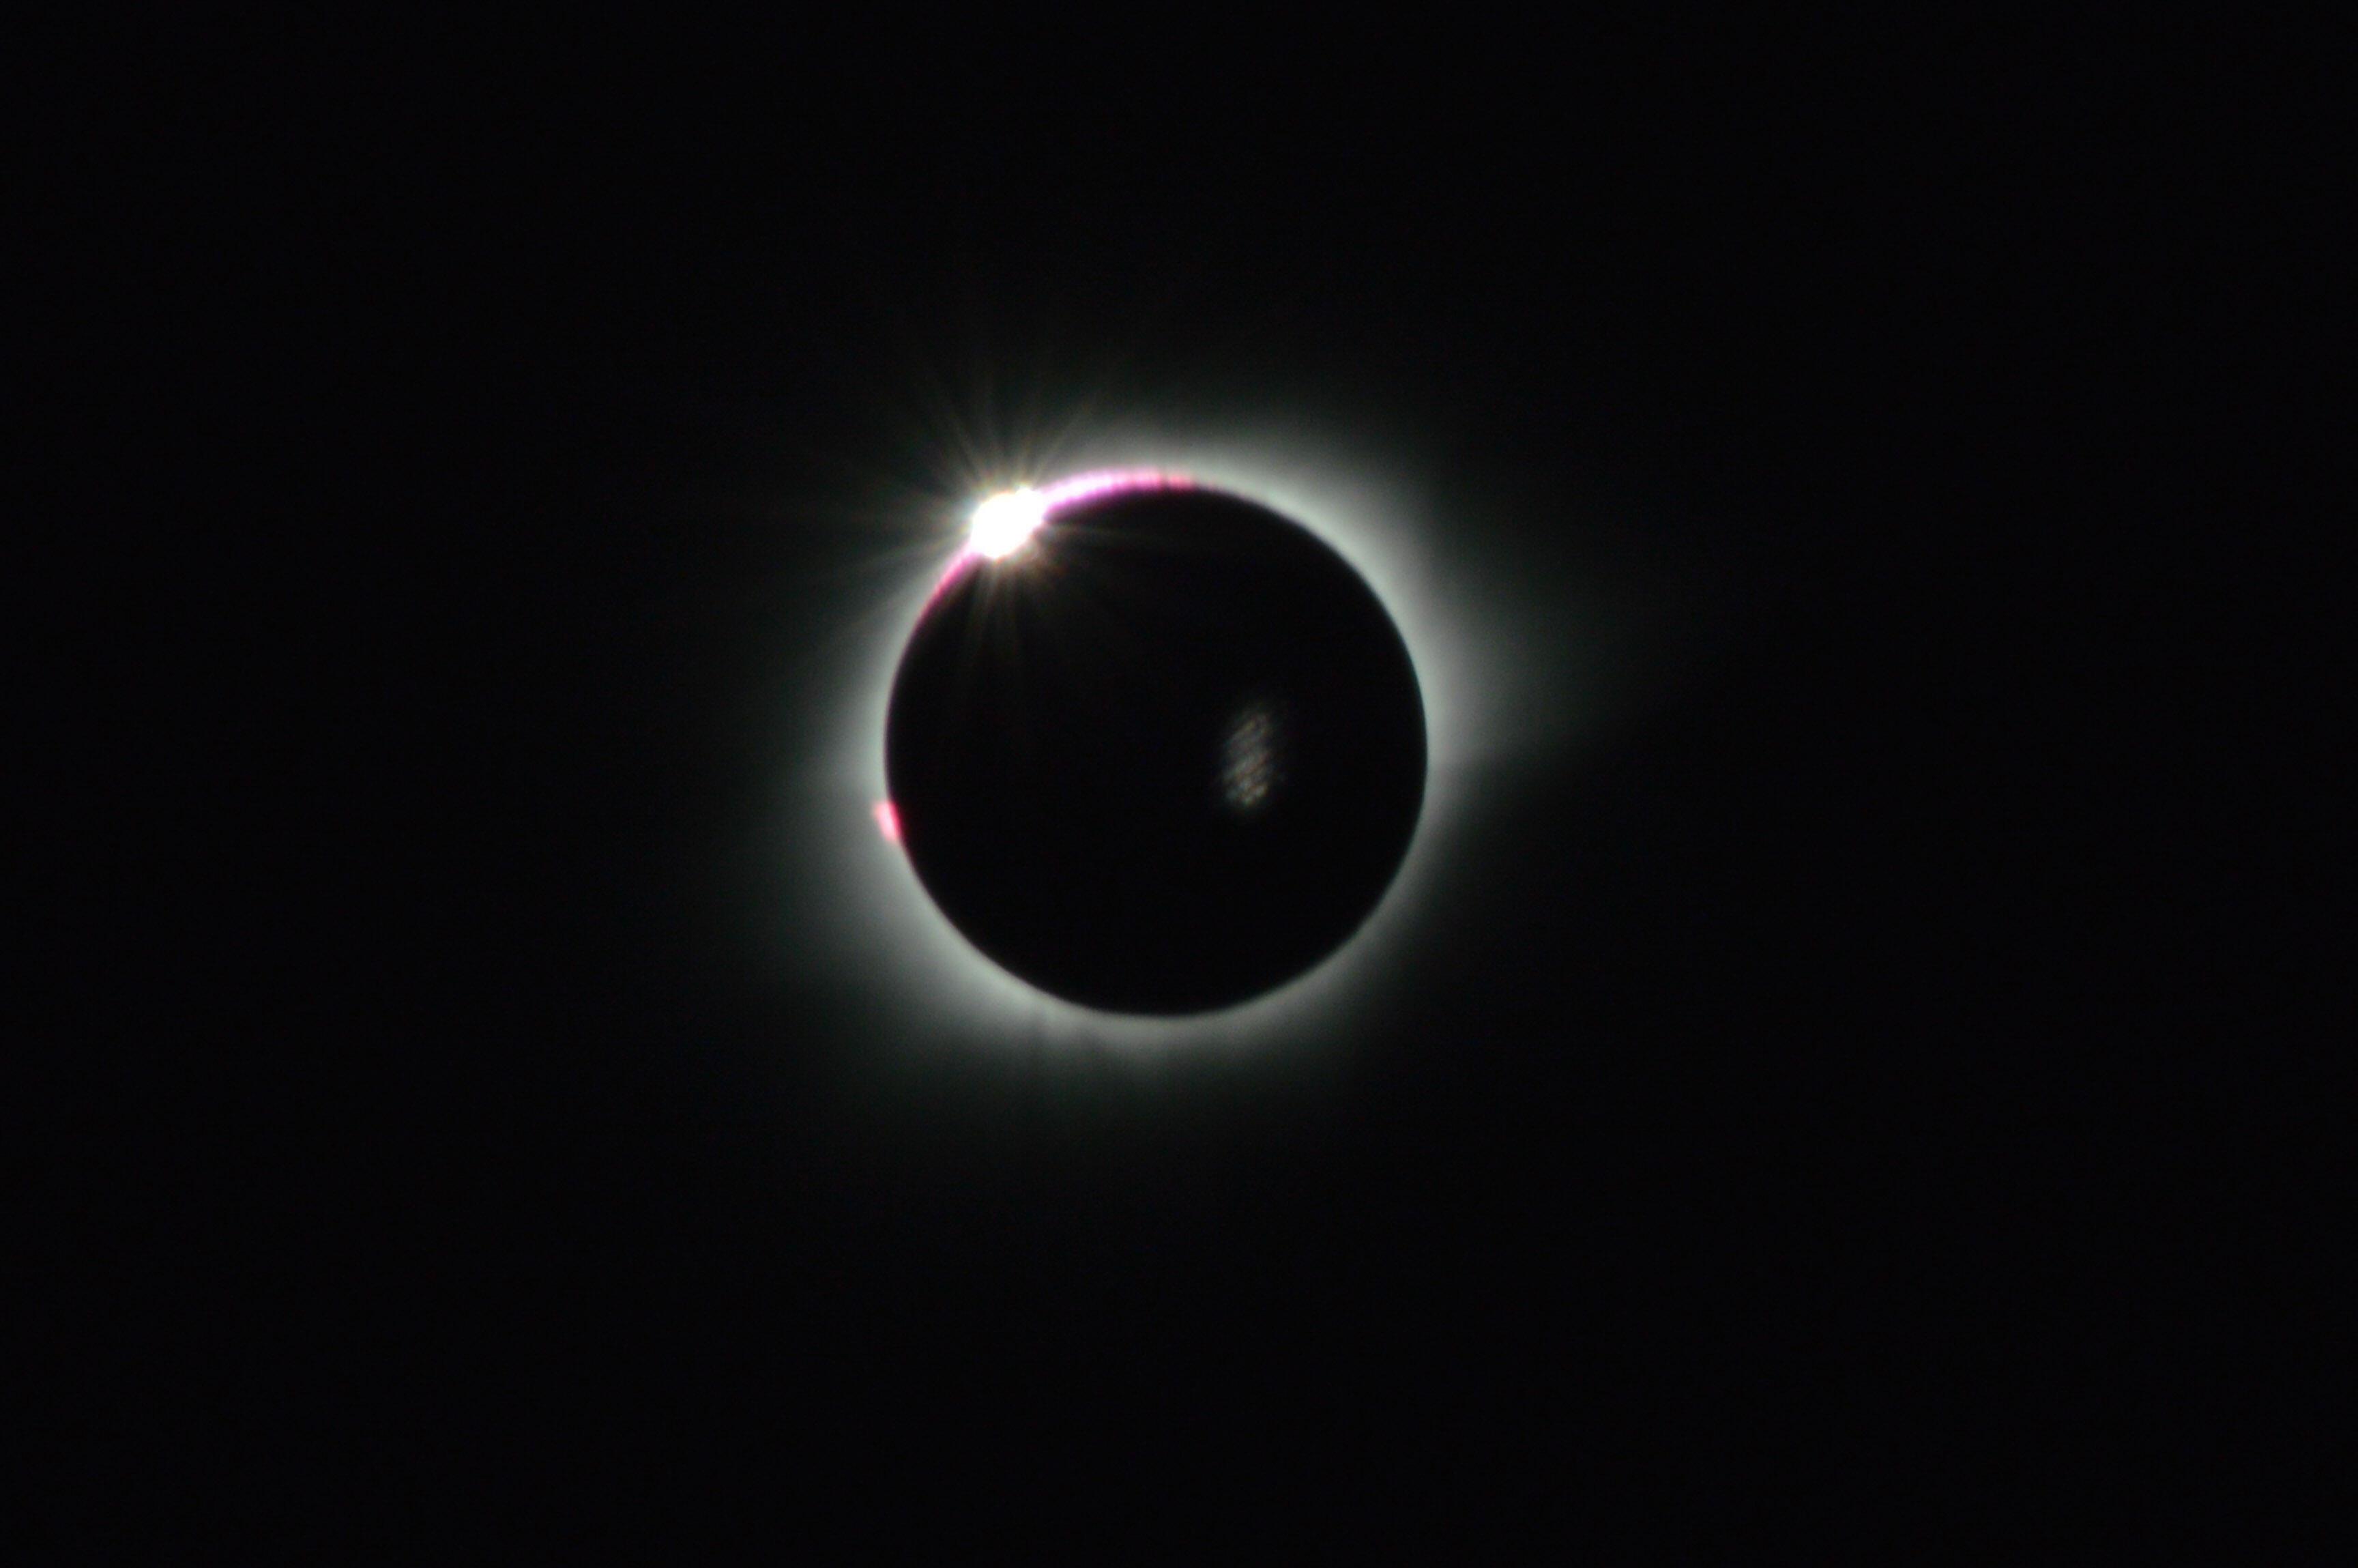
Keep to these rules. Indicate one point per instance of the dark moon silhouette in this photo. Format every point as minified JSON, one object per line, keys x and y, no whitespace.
{"x":1162,"y":758}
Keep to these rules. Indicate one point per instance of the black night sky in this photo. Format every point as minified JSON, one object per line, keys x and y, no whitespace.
{"x":1848,"y":1090}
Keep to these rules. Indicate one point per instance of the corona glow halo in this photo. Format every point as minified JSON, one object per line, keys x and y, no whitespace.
{"x":1488,"y":657}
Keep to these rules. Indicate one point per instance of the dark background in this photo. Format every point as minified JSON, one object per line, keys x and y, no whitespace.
{"x":1868,"y":1096}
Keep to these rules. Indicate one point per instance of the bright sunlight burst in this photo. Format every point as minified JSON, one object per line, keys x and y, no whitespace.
{"x":1004,"y":521}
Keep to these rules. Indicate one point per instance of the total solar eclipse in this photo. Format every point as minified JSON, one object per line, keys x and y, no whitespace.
{"x":1152,"y":747}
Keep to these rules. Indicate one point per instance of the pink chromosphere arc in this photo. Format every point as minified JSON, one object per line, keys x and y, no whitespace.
{"x":1041,"y":506}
